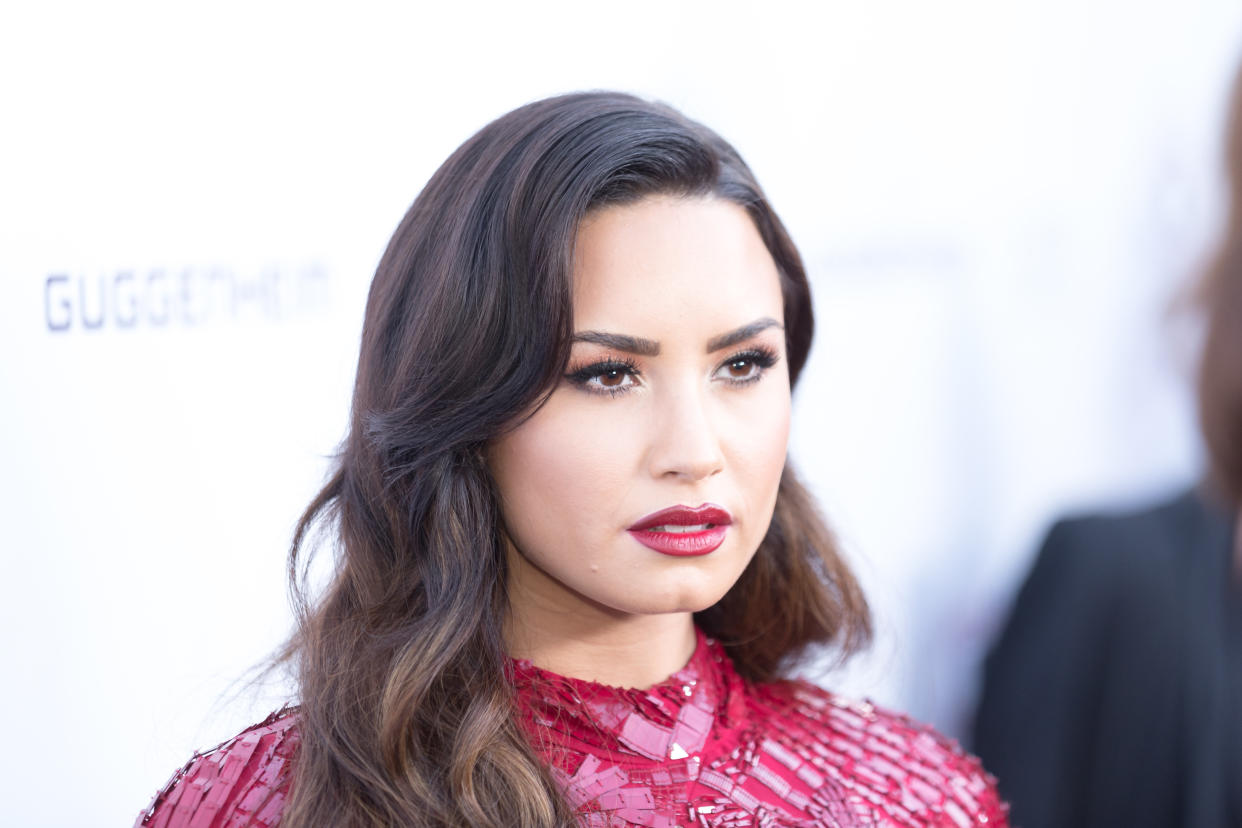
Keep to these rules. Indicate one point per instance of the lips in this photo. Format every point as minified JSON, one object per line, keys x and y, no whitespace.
{"x":682,"y":530}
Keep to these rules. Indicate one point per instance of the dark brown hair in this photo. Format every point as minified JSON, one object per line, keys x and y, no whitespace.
{"x":1220,"y":368}
{"x":405,"y":709}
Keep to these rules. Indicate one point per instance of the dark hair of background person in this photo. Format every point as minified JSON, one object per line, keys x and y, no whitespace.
{"x":1220,"y":368}
{"x":405,"y":709}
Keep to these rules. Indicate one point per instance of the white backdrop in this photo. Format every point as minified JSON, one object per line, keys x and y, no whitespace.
{"x":996,"y":202}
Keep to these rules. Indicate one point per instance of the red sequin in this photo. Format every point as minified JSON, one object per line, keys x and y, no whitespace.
{"x":242,"y":782}
{"x":703,"y":748}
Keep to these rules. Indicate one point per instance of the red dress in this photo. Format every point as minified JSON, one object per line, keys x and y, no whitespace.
{"x":702,"y":748}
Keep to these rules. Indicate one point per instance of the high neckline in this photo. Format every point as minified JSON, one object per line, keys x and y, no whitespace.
{"x":666,"y":721}
{"x":523,"y":671}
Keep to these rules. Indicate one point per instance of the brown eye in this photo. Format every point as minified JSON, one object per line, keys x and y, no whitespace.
{"x":612,"y":379}
{"x":746,"y":367}
{"x":741,"y":368}
{"x":605,"y":377}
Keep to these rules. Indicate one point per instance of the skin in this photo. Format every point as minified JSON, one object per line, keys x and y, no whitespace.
{"x":686,"y":426}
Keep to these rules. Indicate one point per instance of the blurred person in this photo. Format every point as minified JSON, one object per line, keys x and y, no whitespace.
{"x":574,"y":566}
{"x":1113,"y":696}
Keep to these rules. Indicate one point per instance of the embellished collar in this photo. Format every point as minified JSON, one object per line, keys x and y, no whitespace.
{"x":670,"y":720}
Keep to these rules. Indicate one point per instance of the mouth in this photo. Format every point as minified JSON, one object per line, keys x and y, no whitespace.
{"x":683,"y":531}
{"x":680,"y":530}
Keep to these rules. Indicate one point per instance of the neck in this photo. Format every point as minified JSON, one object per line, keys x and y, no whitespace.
{"x":566,"y":634}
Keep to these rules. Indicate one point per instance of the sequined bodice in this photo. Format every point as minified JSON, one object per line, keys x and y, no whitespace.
{"x":702,"y":748}
{"x":705,"y":748}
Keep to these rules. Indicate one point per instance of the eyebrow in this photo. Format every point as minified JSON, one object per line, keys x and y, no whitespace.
{"x":649,"y":347}
{"x":741,"y":334}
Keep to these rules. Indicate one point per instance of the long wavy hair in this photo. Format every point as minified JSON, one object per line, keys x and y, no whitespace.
{"x":405,"y":709}
{"x":1220,"y":367}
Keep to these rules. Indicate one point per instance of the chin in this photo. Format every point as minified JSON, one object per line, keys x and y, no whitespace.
{"x":682,"y":597}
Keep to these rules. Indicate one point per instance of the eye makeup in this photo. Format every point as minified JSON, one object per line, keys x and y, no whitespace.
{"x":610,"y":370}
{"x":614,"y":375}
{"x":759,"y":358}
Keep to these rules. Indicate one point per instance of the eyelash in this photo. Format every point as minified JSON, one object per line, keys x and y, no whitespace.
{"x":760,"y":356}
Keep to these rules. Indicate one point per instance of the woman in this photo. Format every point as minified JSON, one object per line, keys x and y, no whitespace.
{"x":1111,"y":696}
{"x":574,"y":562}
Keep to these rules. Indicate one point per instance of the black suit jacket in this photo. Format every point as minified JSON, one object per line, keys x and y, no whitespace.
{"x":1113,"y":697}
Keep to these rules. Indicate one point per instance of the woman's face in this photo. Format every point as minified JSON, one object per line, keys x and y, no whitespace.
{"x":676,"y":398}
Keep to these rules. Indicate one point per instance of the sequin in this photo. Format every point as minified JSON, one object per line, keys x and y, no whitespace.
{"x":727,"y":754}
{"x":242,"y":782}
{"x":766,"y":756}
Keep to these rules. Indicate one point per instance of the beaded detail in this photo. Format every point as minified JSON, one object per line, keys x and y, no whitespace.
{"x":702,"y":749}
{"x":705,"y":748}
{"x":242,"y":783}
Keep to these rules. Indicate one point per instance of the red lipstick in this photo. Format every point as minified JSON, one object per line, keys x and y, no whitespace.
{"x":683,"y":531}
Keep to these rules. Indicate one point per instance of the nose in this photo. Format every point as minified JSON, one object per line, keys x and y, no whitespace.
{"x":685,"y":444}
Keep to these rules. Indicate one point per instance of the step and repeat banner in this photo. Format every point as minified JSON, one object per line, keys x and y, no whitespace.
{"x":997,"y":203}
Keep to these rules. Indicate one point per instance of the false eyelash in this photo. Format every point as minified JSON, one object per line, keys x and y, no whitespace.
{"x":761,"y":355}
{"x":581,"y":376}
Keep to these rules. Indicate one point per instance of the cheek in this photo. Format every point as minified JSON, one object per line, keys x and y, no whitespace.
{"x":559,"y":478}
{"x":760,"y":427}
{"x":759,"y":443}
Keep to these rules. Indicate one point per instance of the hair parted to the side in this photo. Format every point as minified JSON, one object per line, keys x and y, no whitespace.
{"x":405,"y":710}
{"x":1220,"y":367}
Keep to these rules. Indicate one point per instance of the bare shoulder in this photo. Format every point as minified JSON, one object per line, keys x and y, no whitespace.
{"x":906,"y":771}
{"x":242,"y":782}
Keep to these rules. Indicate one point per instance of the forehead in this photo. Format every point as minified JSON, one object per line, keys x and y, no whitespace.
{"x":669,"y":260}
